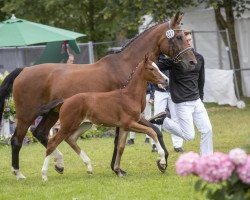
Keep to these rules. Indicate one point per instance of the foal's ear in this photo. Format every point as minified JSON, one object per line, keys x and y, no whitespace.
{"x":177,"y":19}
{"x":146,"y":57}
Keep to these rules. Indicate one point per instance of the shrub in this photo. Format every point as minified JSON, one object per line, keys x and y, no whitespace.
{"x":221,"y":176}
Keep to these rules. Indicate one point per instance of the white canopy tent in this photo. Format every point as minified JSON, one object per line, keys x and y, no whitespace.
{"x":209,"y":43}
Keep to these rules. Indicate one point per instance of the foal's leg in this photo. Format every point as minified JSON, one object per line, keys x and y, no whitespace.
{"x":135,"y":126}
{"x":52,"y":144}
{"x":72,"y":142}
{"x":16,"y":145}
{"x":41,"y":132}
{"x":120,"y":148}
{"x":143,"y":121}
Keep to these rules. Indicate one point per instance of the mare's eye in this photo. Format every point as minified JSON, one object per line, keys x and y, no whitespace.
{"x":179,"y":37}
{"x":151,"y":69}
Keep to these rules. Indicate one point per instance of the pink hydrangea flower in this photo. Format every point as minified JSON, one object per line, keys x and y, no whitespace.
{"x":238,"y":156}
{"x":187,"y":163}
{"x":243,"y":171}
{"x":215,"y":168}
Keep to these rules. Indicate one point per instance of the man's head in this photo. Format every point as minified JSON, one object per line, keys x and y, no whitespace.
{"x":189,"y":38}
{"x":70,"y":59}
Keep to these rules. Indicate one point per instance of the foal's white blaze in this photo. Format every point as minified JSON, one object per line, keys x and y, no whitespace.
{"x":163,"y":75}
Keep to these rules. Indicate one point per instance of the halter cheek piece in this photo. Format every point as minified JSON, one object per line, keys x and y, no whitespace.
{"x":170,"y":34}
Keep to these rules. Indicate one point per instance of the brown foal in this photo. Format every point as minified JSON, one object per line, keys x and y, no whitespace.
{"x":117,"y":108}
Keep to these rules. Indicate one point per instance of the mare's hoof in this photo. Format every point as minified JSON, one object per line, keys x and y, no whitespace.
{"x":89,"y":172}
{"x":161,"y":167}
{"x":18,"y":174}
{"x":120,"y":173}
{"x":59,"y":169}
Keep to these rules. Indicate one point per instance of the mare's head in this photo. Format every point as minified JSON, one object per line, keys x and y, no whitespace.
{"x":152,"y":73}
{"x":174,"y":44}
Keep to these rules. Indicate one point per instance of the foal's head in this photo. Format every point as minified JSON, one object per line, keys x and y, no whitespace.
{"x":151,"y":72}
{"x":174,"y":44}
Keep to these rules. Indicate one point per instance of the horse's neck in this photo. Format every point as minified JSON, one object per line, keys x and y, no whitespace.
{"x":148,"y":42}
{"x":136,"y":88}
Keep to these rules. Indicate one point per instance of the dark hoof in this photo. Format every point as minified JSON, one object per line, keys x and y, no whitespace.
{"x":59,"y":169}
{"x":161,"y":167}
{"x":120,"y":173}
{"x":89,"y":172}
{"x":124,"y":173}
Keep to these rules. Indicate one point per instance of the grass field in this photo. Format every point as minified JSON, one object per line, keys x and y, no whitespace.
{"x":231,"y":127}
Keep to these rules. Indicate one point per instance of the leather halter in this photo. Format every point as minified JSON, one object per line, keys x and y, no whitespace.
{"x":176,"y":59}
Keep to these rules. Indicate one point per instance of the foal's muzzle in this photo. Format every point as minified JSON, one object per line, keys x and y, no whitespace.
{"x":164,"y":84}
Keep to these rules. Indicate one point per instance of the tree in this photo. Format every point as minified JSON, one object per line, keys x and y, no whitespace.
{"x":232,"y":8}
{"x":101,"y":20}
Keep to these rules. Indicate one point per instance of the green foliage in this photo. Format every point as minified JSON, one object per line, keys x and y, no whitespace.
{"x":100,"y":20}
{"x":98,"y":132}
{"x":9,"y":109}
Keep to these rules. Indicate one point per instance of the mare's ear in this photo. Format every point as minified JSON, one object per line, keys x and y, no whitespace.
{"x":177,"y":19}
{"x":146,"y":57}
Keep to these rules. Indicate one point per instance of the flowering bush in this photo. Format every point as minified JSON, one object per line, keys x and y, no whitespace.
{"x":222,"y":176}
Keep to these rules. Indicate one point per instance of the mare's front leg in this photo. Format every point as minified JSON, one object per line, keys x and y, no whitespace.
{"x":41,"y":132}
{"x":135,"y":126}
{"x":71,"y":140}
{"x":117,"y":130}
{"x":120,"y":148}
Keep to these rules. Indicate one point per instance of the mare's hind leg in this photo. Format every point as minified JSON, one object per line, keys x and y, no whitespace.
{"x":16,"y":145}
{"x":72,"y":142}
{"x":41,"y":132}
{"x":120,"y":148}
{"x":52,"y":144}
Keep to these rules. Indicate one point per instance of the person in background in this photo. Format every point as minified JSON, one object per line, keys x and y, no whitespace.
{"x":186,"y":89}
{"x":71,"y":59}
{"x":147,"y":114}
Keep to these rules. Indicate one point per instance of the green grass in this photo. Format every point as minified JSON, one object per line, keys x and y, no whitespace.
{"x":231,"y":128}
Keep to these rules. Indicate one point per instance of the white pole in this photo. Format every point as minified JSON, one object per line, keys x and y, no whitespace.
{"x":91,"y":52}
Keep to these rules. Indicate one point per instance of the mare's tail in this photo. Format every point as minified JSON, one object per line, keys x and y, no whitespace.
{"x":55,"y":104}
{"x":6,"y":88}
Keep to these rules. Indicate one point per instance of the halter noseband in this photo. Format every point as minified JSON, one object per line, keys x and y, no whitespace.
{"x":170,"y":35}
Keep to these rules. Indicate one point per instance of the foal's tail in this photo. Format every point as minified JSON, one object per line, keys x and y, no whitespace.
{"x":57,"y":103}
{"x":6,"y":88}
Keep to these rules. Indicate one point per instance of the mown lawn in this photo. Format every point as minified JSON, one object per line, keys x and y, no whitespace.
{"x":231,"y":127}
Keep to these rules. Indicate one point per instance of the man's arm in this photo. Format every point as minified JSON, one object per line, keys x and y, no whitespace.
{"x":164,"y":63}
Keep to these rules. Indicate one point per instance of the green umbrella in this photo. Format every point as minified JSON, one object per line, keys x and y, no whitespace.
{"x":16,"y":32}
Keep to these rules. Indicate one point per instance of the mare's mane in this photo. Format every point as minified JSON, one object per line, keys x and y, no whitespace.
{"x":137,"y":36}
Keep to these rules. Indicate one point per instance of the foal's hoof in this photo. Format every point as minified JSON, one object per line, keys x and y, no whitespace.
{"x":161,"y":167}
{"x":89,"y":172}
{"x":59,"y":169}
{"x":120,"y":173}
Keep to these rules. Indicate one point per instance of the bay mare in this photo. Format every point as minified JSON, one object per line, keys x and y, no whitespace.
{"x":40,"y":84}
{"x":117,"y":108}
